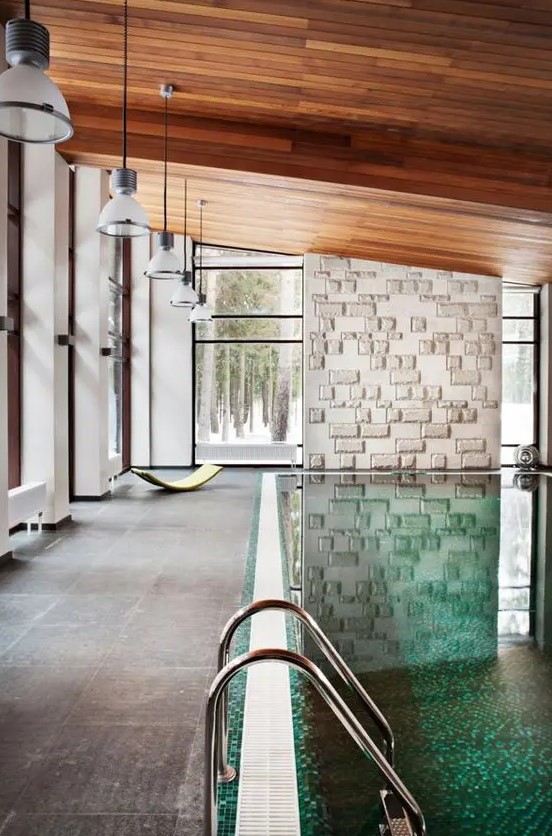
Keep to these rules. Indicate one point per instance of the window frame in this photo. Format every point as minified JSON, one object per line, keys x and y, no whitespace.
{"x":535,"y":342}
{"x":298,"y":265}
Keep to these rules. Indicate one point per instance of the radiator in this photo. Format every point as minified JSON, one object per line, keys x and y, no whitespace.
{"x":255,"y":453}
{"x":25,"y":502}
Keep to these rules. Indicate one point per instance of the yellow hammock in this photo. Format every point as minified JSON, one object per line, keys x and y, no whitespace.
{"x":196,"y":480}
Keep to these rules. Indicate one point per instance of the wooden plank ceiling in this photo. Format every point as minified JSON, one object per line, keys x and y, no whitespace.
{"x":417,"y":131}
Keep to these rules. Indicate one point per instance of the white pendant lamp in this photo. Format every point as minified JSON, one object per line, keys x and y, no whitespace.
{"x":164,"y":264}
{"x":202,"y":311}
{"x":122,"y":216}
{"x":185,"y":295}
{"x":32,"y":108}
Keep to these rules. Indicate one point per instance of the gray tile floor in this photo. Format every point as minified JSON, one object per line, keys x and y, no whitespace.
{"x":108,"y":636}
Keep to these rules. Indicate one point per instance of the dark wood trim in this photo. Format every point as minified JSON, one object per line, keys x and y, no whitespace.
{"x":6,"y":558}
{"x":15,"y":287}
{"x":7,"y":323}
{"x":65,"y":340}
{"x":126,"y":369}
{"x":71,"y":335}
{"x":86,"y":498}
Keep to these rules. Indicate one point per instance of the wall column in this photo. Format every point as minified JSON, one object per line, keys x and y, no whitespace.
{"x":171,"y":376}
{"x":4,"y":536}
{"x":44,"y":454}
{"x":91,"y":454}
{"x":140,"y":354}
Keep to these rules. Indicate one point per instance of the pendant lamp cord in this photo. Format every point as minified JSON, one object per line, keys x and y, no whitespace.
{"x":165,"y":148}
{"x":27,"y":9}
{"x":200,"y":247}
{"x":185,"y":227}
{"x":125,"y":76}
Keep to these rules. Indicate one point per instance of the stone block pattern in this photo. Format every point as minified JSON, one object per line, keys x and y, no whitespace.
{"x":403,"y":367}
{"x":403,"y":569}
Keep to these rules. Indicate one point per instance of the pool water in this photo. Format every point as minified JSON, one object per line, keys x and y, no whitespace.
{"x":427,"y":587}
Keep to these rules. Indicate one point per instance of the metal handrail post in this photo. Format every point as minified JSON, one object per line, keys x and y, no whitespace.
{"x":331,"y":697}
{"x":226,"y":772}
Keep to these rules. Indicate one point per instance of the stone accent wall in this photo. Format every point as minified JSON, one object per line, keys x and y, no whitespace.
{"x":401,"y":570}
{"x":403,"y":367}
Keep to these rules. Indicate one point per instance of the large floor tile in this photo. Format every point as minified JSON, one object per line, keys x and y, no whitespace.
{"x":110,"y":769}
{"x":39,"y":694}
{"x":23,"y":747}
{"x":138,"y":696}
{"x":116,"y":580}
{"x":150,"y":644}
{"x":106,"y":825}
{"x":27,"y":577}
{"x":76,"y":645}
{"x":76,"y":610}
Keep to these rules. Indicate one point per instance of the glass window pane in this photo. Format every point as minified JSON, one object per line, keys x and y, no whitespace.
{"x":224,"y":257}
{"x":245,"y":292}
{"x":518,"y":304}
{"x":250,"y":329}
{"x":513,"y":598}
{"x":513,"y":623}
{"x":518,"y":329}
{"x":248,"y":392}
{"x":507,"y":455}
{"x":517,"y":394}
{"x":516,"y":513}
{"x":115,"y":400}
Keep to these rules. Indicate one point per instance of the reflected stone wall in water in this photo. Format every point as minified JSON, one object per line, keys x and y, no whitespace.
{"x":400,"y":570}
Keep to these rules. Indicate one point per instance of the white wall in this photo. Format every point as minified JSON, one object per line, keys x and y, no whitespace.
{"x":44,"y":453}
{"x":140,"y":353}
{"x":92,"y":468}
{"x":4,"y":540}
{"x":162,"y":369}
{"x":403,"y":366}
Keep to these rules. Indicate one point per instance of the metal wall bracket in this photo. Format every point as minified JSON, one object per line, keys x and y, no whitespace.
{"x":7,"y":324}
{"x":65,"y":339}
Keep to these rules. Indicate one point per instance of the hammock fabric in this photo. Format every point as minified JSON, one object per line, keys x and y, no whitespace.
{"x":191,"y":483}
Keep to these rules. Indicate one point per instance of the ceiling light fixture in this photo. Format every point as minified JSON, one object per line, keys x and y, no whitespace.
{"x":32,"y":108}
{"x":185,"y":295}
{"x":164,"y":264}
{"x":202,"y":311}
{"x":122,"y":216}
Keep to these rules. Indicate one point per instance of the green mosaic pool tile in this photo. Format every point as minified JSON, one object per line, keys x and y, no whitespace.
{"x":227,"y":799}
{"x":313,"y":814}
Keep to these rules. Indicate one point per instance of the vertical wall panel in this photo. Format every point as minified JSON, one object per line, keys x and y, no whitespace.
{"x":4,"y":540}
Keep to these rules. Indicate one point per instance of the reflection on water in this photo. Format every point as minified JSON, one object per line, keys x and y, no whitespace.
{"x":423,"y":583}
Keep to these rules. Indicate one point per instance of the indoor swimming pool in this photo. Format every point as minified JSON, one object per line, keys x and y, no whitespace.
{"x":434,"y":589}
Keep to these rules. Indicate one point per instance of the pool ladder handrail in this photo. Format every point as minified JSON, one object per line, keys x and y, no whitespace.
{"x":335,"y":702}
{"x":227,"y":773}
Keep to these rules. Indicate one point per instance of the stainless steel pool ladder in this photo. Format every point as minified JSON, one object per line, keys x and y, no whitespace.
{"x":402,"y":813}
{"x":327,"y":648}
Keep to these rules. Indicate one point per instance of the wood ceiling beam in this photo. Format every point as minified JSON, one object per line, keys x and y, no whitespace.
{"x":388,"y":160}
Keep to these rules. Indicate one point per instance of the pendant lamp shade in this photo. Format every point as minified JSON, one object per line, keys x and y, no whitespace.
{"x":202,"y":311}
{"x":122,"y":216}
{"x":164,"y":264}
{"x":32,"y":108}
{"x":184,"y":296}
